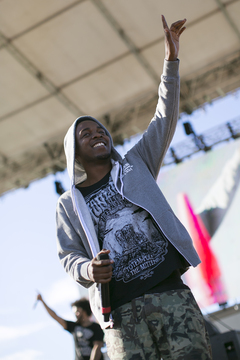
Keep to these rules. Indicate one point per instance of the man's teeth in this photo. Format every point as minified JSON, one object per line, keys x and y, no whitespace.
{"x":99,"y":144}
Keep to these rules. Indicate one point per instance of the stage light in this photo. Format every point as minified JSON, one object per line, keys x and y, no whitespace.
{"x":188,"y":128}
{"x":199,"y":141}
{"x":59,"y":188}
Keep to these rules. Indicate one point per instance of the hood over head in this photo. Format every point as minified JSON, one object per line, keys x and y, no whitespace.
{"x":76,"y":172}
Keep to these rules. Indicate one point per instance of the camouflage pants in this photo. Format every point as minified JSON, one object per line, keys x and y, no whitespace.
{"x":168,"y":325}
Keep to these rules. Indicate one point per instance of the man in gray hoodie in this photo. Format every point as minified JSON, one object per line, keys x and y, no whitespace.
{"x":115,"y":207}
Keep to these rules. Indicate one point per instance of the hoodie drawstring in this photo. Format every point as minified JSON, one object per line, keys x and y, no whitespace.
{"x":121,"y":180}
{"x":73,"y":197}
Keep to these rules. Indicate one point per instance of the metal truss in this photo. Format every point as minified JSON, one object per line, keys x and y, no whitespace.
{"x":202,"y":143}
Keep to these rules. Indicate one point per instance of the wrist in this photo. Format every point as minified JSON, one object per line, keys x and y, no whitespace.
{"x":169,"y":58}
{"x":171,"y":68}
{"x":89,"y":272}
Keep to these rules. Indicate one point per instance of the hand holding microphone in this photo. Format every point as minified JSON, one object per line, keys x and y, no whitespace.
{"x":106,"y":306}
{"x":100,"y":271}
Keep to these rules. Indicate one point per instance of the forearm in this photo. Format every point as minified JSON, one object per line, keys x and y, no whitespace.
{"x":167,"y":110}
{"x":96,"y":352}
{"x":156,"y":140}
{"x":73,"y":256}
{"x":50,"y":311}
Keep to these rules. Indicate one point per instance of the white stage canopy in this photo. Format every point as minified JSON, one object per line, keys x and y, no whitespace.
{"x":60,"y":59}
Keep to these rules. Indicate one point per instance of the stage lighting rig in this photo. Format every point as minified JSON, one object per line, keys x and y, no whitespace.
{"x":199,"y":140}
{"x":204,"y":142}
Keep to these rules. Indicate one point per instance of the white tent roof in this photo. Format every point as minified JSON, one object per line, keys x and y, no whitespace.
{"x":60,"y":59}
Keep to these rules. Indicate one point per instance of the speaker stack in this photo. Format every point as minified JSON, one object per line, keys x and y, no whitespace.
{"x":226,"y":346}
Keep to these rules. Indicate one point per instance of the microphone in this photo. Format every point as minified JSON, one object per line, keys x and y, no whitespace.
{"x":106,"y":307}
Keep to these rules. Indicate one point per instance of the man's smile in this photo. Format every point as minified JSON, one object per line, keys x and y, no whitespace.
{"x":99,"y":144}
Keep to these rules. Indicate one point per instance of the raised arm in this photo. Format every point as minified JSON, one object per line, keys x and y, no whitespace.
{"x":158,"y":136}
{"x":52,"y":313}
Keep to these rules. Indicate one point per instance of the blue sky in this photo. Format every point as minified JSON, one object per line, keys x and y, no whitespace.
{"x":29,"y":257}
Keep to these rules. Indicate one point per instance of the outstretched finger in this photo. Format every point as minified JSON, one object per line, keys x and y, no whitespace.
{"x":165,"y":25}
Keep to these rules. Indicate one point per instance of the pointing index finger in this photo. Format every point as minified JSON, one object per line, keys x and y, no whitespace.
{"x":165,"y":25}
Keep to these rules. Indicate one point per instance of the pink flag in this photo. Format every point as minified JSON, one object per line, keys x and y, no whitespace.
{"x":212,"y":289}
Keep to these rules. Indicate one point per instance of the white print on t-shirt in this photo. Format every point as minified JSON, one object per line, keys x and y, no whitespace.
{"x":136,"y":244}
{"x":83,"y":335}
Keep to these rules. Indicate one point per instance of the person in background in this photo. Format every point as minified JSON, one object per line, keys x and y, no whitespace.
{"x":88,"y":335}
{"x":115,"y":207}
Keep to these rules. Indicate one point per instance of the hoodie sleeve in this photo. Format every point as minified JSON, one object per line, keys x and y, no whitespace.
{"x":71,"y":248}
{"x":154,"y":143}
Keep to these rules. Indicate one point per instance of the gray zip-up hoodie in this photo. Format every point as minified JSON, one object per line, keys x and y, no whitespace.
{"x":135,"y":179}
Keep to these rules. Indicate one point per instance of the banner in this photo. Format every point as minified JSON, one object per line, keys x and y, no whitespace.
{"x":204,"y":193}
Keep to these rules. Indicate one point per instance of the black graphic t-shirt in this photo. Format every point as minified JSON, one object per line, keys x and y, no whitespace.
{"x":84,"y":338}
{"x":143,"y":257}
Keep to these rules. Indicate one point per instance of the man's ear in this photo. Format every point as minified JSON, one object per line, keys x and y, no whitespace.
{"x":77,"y":156}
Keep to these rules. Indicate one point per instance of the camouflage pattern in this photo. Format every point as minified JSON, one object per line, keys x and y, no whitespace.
{"x":169,"y":325}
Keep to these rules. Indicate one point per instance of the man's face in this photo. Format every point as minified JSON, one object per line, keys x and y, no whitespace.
{"x":92,"y":142}
{"x":79,"y":313}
